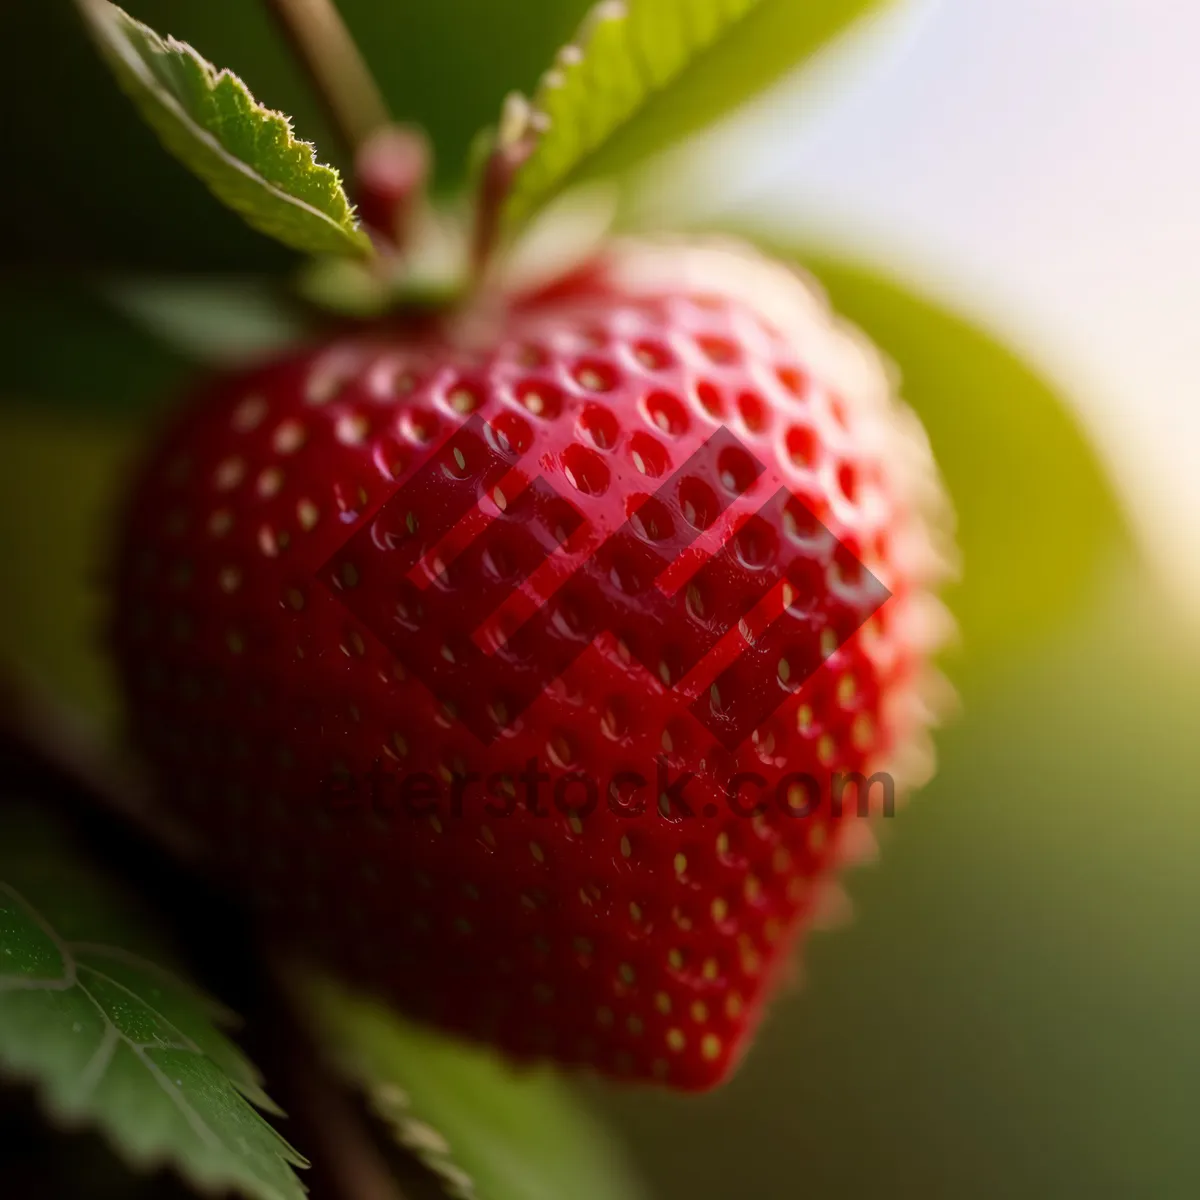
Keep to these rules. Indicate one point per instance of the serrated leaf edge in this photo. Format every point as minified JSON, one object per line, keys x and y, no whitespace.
{"x":211,"y":1181}
{"x":525,"y":119}
{"x":387,"y":1100}
{"x":99,"y":23}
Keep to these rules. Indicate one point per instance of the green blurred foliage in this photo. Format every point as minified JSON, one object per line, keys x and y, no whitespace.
{"x":759,"y":50}
{"x":1036,"y":517}
{"x":220,"y":321}
{"x":656,"y":71}
{"x":1013,"y":1012}
{"x":485,"y":1128}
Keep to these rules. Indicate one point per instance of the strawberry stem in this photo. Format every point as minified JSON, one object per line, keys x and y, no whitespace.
{"x":391,"y":170}
{"x":338,"y":70}
{"x":512,"y":145}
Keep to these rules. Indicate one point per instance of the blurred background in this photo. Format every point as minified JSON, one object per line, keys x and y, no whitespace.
{"x":1039,"y":163}
{"x":1004,"y":196}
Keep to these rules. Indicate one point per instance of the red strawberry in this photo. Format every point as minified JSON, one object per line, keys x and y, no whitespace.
{"x":330,"y":675}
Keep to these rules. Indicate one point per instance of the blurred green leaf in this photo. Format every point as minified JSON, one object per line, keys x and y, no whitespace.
{"x":488,"y":1132}
{"x":224,"y":322}
{"x":108,"y":1037}
{"x":642,"y":73}
{"x":67,"y":347}
{"x":126,"y":347}
{"x":244,"y":152}
{"x":1037,"y":517}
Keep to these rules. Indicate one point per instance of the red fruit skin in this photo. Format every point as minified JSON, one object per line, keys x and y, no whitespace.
{"x":644,"y":946}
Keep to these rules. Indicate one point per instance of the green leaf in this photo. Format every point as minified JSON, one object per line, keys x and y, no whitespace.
{"x":109,"y":1037}
{"x":643,"y":73}
{"x":1037,"y":517}
{"x":244,"y":152}
{"x":488,"y":1132}
{"x":220,"y":322}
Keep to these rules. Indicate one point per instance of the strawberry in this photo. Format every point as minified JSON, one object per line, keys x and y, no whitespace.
{"x":390,"y":632}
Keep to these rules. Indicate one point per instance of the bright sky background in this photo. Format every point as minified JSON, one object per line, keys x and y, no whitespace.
{"x":1038,"y":163}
